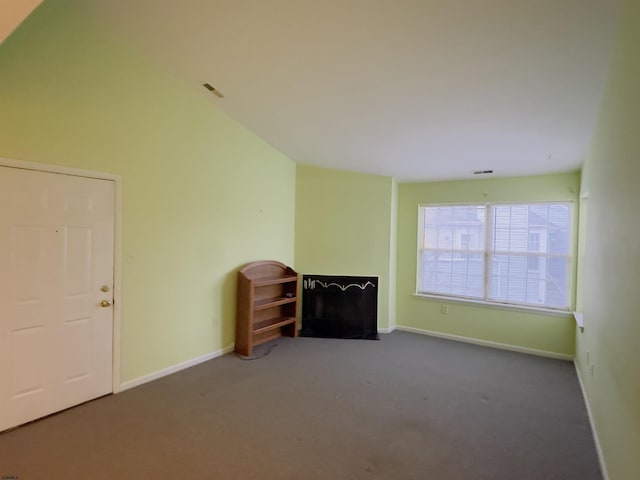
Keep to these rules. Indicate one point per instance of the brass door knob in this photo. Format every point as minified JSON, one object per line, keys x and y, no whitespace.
{"x":105,"y":303}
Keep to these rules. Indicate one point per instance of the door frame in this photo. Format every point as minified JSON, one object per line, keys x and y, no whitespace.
{"x":117,"y":245}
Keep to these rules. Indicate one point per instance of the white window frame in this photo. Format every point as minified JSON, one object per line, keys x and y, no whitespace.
{"x":488,"y":252}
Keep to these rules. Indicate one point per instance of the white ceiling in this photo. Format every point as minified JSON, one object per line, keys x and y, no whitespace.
{"x":416,"y":89}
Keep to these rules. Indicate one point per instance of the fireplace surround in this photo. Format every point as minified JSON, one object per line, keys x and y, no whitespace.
{"x":340,"y":307}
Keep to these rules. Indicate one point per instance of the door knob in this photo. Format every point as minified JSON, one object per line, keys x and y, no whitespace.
{"x":105,"y":303}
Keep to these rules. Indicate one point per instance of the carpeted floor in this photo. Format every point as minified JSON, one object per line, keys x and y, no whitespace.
{"x":406,"y":407}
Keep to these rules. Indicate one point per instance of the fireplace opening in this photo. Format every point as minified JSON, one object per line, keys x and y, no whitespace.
{"x":340,"y":307}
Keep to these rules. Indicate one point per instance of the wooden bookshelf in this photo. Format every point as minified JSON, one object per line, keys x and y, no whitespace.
{"x":266,"y":304}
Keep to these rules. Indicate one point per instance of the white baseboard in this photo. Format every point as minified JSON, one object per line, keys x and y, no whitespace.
{"x":603,"y":465}
{"x":386,"y":330}
{"x":173,"y":369}
{"x":486,"y":343}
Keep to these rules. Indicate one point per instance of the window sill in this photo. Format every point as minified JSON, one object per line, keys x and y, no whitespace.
{"x":495,"y":305}
{"x":579,"y":320}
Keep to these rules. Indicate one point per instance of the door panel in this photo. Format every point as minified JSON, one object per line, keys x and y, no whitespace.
{"x":56,"y":252}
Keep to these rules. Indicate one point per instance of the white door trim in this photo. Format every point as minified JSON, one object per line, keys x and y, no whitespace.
{"x":117,"y":259}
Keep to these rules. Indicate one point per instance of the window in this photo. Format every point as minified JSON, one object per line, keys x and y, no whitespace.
{"x":503,"y":253}
{"x":534,"y":241}
{"x":534,"y":246}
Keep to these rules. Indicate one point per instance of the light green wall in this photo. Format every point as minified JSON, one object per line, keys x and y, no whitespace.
{"x":343,"y":227}
{"x":582,"y":253}
{"x":393,"y":265}
{"x":201,"y":195}
{"x":523,"y":329}
{"x":612,"y":265}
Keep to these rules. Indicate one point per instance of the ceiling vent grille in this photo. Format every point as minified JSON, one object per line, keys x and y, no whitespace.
{"x":213,"y":90}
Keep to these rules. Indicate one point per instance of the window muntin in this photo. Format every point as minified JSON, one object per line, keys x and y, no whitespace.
{"x":502,"y":253}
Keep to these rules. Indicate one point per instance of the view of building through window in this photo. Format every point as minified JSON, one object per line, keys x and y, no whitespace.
{"x":506,"y":253}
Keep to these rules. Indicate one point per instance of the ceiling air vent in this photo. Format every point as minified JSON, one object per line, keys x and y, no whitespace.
{"x":212,"y":89}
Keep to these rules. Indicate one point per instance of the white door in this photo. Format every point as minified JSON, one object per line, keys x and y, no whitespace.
{"x":56,"y":267}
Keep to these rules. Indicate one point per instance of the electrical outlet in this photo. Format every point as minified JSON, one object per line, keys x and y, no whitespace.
{"x":444,"y":309}
{"x":592,"y":369}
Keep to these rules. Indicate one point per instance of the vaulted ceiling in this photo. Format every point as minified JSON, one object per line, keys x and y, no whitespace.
{"x":416,"y":89}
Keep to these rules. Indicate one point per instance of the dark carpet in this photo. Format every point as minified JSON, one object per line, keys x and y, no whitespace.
{"x":406,"y":407}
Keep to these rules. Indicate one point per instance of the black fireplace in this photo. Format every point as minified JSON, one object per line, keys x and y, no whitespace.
{"x":339,"y":307}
